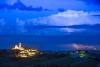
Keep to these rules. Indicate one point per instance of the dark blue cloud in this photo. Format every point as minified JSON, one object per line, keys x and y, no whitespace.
{"x":95,"y":2}
{"x":19,"y":5}
{"x":51,"y":5}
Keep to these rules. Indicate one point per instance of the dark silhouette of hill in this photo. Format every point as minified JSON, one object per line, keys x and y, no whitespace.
{"x":51,"y":59}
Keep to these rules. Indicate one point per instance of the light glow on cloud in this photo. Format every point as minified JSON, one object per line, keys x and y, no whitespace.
{"x":72,"y":13}
{"x":70,"y":17}
{"x":71,"y":30}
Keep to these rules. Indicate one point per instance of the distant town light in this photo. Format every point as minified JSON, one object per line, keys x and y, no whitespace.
{"x":24,"y":52}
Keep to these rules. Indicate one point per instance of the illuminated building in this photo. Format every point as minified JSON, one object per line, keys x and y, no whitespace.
{"x":24,"y":52}
{"x":18,"y":47}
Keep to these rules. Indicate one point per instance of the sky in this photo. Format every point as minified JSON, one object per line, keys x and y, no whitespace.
{"x":74,"y":18}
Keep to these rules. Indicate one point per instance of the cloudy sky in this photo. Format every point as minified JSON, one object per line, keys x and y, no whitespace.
{"x":21,"y":14}
{"x":50,"y":17}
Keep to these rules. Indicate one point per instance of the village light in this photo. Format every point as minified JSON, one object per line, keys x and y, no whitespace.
{"x":24,"y":52}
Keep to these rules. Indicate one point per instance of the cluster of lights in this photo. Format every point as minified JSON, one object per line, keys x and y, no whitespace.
{"x":24,"y":52}
{"x":82,"y":54}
